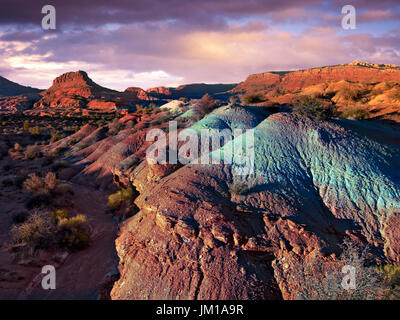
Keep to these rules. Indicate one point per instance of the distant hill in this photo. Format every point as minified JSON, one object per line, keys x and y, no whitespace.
{"x":190,"y":91}
{"x":9,"y":88}
{"x":374,"y":88}
{"x":75,"y":93}
{"x":300,"y":79}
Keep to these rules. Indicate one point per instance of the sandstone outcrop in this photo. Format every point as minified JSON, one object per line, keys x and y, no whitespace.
{"x":314,"y":185}
{"x":297,"y":80}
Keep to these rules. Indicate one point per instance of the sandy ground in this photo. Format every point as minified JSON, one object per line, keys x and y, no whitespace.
{"x":78,"y":274}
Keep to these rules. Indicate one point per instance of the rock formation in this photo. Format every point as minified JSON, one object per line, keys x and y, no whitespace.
{"x":314,"y":185}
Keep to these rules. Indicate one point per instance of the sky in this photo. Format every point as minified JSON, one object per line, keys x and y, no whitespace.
{"x":148,"y":43}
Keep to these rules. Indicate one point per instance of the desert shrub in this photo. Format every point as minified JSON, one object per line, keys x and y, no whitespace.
{"x":56,"y":135}
{"x":37,"y":185}
{"x":26,"y":125}
{"x":76,"y":128}
{"x":35,"y":131}
{"x":146,"y":110}
{"x":42,"y":230}
{"x":116,"y":200}
{"x":308,"y":107}
{"x":139,"y":108}
{"x":34,"y":184}
{"x":392,"y":276}
{"x":151,"y":108}
{"x":238,"y":188}
{"x":72,"y":232}
{"x":322,"y":280}
{"x":17,"y":147}
{"x":252,"y":98}
{"x":351,"y":94}
{"x":53,"y":154}
{"x":355,"y":113}
{"x":395,"y":95}
{"x":58,"y":215}
{"x":50,"y":181}
{"x":32,"y":152}
{"x":37,"y":231}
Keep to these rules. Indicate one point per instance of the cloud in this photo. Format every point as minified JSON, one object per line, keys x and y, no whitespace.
{"x":98,"y":12}
{"x":160,"y":44}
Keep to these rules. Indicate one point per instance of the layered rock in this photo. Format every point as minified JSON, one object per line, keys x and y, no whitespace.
{"x":18,"y":104}
{"x":314,"y":185}
{"x":72,"y":90}
{"x":297,"y":80}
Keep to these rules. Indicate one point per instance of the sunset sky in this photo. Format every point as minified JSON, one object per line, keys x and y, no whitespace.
{"x":148,"y":43}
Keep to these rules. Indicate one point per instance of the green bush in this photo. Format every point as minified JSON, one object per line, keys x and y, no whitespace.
{"x":355,"y":113}
{"x":308,"y":107}
{"x":117,"y":199}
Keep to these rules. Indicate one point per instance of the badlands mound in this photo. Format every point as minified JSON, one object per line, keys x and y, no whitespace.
{"x":314,"y":185}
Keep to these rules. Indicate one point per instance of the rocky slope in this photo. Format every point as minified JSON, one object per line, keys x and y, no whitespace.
{"x":72,"y":90}
{"x":18,"y":104}
{"x":193,"y":237}
{"x":314,"y":184}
